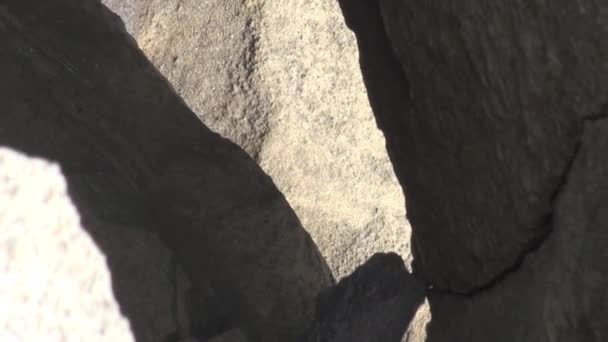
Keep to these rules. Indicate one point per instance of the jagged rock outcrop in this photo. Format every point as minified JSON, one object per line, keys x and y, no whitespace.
{"x":55,"y":283}
{"x":281,"y":79}
{"x":493,"y":118}
{"x":375,"y":303}
{"x":77,"y":91}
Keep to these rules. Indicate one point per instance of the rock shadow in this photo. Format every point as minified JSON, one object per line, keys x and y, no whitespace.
{"x":154,"y":187}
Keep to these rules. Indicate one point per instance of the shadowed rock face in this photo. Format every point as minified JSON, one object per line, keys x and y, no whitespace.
{"x":375,"y":303}
{"x":559,"y":292}
{"x":496,"y":123}
{"x":76,"y":90}
{"x":494,"y":120}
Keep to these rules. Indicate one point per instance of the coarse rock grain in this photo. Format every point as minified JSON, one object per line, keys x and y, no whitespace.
{"x":54,"y":284}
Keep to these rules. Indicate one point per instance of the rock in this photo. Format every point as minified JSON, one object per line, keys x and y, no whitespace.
{"x":234,"y":335}
{"x":281,"y":79}
{"x":147,"y":281}
{"x":478,"y":156}
{"x":559,"y":291}
{"x":496,"y":125}
{"x":55,"y":284}
{"x":375,"y":303}
{"x":77,"y":91}
{"x":139,"y":268}
{"x":416,"y":331}
{"x":207,"y":49}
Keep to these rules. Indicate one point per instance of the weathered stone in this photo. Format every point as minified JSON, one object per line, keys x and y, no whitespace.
{"x":146,"y":280}
{"x":375,"y":303}
{"x":76,"y":90}
{"x":55,"y":284}
{"x":207,"y":49}
{"x":482,"y":111}
{"x":494,"y":122}
{"x":559,"y":292}
{"x":234,"y":335}
{"x":281,"y":79}
{"x":417,"y":329}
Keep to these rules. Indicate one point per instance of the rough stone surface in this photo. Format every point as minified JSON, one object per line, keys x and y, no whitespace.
{"x":495,"y":118}
{"x":234,"y":335}
{"x":559,"y":292}
{"x":147,"y":282}
{"x":417,"y":329}
{"x":482,"y":117}
{"x":375,"y":303}
{"x":281,"y":79}
{"x":207,"y":49}
{"x":54,"y":283}
{"x":76,"y":90}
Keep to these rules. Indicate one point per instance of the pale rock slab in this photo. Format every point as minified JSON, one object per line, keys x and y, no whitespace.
{"x":54,"y":283}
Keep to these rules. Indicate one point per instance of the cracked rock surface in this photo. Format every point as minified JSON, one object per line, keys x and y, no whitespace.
{"x":559,"y":291}
{"x":482,"y":121}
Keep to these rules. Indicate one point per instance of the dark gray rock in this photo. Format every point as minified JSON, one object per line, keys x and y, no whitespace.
{"x":375,"y":303}
{"x":559,"y":293}
{"x":494,"y":115}
{"x":234,"y":335}
{"x":281,"y":80}
{"x":481,"y":105}
{"x":76,"y":90}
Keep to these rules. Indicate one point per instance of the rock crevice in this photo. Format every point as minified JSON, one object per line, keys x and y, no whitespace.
{"x":549,"y":221}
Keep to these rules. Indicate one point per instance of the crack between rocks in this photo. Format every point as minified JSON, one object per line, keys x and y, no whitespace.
{"x":547,"y":221}
{"x":537,"y":243}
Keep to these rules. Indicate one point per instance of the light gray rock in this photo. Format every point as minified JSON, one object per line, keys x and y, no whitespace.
{"x":416,"y":330}
{"x":323,"y":149}
{"x":55,"y":284}
{"x":143,"y":281}
{"x":207,"y":49}
{"x":281,"y":79}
